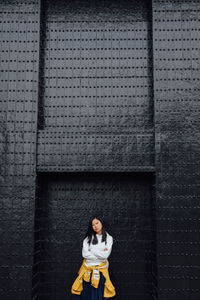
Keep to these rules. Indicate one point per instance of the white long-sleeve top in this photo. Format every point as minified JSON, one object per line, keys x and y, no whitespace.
{"x":97,"y":254}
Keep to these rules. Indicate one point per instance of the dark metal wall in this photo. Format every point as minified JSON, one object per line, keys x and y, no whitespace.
{"x":19,"y":57}
{"x":96,"y":103}
{"x":66,"y":202}
{"x":176,"y":101}
{"x":105,"y":92}
{"x":96,"y":114}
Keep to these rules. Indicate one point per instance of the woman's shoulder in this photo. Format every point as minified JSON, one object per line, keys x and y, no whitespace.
{"x":109,"y":237}
{"x":85,"y":239}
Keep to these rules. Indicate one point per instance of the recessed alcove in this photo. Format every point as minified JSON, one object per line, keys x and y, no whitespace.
{"x":66,"y":202}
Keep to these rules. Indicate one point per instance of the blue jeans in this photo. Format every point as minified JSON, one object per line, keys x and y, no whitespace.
{"x":91,"y":293}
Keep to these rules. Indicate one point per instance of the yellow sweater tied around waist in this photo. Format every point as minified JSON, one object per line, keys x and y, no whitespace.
{"x":84,"y":274}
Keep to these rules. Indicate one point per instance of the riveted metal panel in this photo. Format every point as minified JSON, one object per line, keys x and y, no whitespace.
{"x":96,"y":104}
{"x":126,"y":201}
{"x":19,"y":27}
{"x":96,"y":114}
{"x":176,"y":89}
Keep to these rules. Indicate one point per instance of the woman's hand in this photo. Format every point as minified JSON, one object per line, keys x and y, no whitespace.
{"x":105,"y":249}
{"x":89,"y":249}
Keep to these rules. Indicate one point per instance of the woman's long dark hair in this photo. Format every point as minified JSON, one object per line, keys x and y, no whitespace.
{"x":91,"y":233}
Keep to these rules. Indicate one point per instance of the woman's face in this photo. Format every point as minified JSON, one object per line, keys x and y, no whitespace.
{"x":97,"y":226}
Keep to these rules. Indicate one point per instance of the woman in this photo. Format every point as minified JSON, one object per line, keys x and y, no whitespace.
{"x":93,"y":281}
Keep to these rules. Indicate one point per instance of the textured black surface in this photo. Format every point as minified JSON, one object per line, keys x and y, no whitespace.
{"x":99,"y":86}
{"x":96,"y":105}
{"x":19,"y":26}
{"x":176,"y":89}
{"x":127,"y":203}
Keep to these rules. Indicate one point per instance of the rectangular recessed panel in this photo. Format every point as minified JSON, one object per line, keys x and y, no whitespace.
{"x":96,"y":86}
{"x":126,"y":203}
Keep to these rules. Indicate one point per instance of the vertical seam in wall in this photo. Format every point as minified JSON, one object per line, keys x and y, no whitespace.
{"x":154,"y":115}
